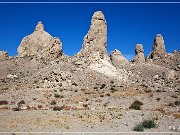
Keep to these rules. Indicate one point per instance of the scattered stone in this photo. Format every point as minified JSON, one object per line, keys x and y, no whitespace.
{"x":10,"y":76}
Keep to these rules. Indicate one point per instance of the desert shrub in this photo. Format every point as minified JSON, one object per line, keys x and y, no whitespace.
{"x":136,"y":105}
{"x":21,"y":102}
{"x":75,"y":84}
{"x":146,"y":124}
{"x":108,"y":94}
{"x":53,"y":102}
{"x":3,"y":102}
{"x":177,"y":103}
{"x":112,"y":82}
{"x":113,"y":89}
{"x":16,"y":109}
{"x":40,"y":106}
{"x":58,"y":108}
{"x":85,"y":105}
{"x":103,"y":86}
{"x":158,"y":99}
{"x":56,"y":95}
{"x":139,"y":128}
{"x":101,"y":95}
{"x":149,"y":124}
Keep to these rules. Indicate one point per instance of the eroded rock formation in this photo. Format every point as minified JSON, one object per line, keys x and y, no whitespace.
{"x":117,"y":58}
{"x":95,"y":42}
{"x":158,"y":49}
{"x":139,"y":54}
{"x":40,"y":44}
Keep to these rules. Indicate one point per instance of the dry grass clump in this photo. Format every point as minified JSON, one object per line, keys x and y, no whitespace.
{"x":136,"y":105}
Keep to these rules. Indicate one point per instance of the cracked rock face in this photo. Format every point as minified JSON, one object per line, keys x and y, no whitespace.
{"x":158,"y":49}
{"x":3,"y":55}
{"x":117,"y":58}
{"x":95,"y":42}
{"x":40,"y":44}
{"x":139,"y":54}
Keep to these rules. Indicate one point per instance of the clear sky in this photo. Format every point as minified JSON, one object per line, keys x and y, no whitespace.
{"x":128,"y":24}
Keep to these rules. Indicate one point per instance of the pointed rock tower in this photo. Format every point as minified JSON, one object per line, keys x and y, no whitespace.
{"x":117,"y":58}
{"x":95,"y":41}
{"x":40,"y":44}
{"x":139,"y":54}
{"x":158,"y":49}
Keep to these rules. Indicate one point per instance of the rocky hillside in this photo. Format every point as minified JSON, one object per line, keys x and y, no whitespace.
{"x":42,"y":89}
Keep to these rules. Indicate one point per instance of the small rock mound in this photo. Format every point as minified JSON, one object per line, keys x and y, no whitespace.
{"x":117,"y":58}
{"x":139,"y":54}
{"x":40,"y":44}
{"x":3,"y":55}
{"x":158,"y":49}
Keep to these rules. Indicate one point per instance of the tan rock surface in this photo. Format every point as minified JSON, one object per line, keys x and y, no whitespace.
{"x":3,"y":55}
{"x":40,"y":44}
{"x":117,"y":58}
{"x":139,"y":54}
{"x":158,"y":49}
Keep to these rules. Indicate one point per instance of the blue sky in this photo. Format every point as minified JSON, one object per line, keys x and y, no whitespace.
{"x":128,"y":24}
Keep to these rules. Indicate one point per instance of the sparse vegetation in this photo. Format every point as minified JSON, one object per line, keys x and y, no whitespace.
{"x":108,"y":94}
{"x":146,"y":124}
{"x":58,"y":108}
{"x":3,"y":102}
{"x":75,"y":84}
{"x":149,"y":124}
{"x":85,"y":105}
{"x":103,"y":86}
{"x":53,"y":102}
{"x":136,"y":105}
{"x":113,"y":89}
{"x":56,"y":95}
{"x":139,"y":128}
{"x":21,"y":102}
{"x":177,"y":102}
{"x":16,"y":109}
{"x":39,"y":106}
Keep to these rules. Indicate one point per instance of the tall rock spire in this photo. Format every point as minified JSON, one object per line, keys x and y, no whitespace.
{"x":158,"y":49}
{"x":95,"y":41}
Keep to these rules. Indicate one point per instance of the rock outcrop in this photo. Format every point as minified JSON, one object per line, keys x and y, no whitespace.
{"x":158,"y":49}
{"x":117,"y":58}
{"x":3,"y":55}
{"x":40,"y":44}
{"x":95,"y":42}
{"x":139,"y":54}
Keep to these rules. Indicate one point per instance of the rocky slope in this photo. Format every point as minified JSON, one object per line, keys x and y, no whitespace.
{"x":44,"y":90}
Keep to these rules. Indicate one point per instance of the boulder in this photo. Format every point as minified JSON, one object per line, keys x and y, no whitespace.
{"x":117,"y":58}
{"x":40,"y":44}
{"x":139,"y":54}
